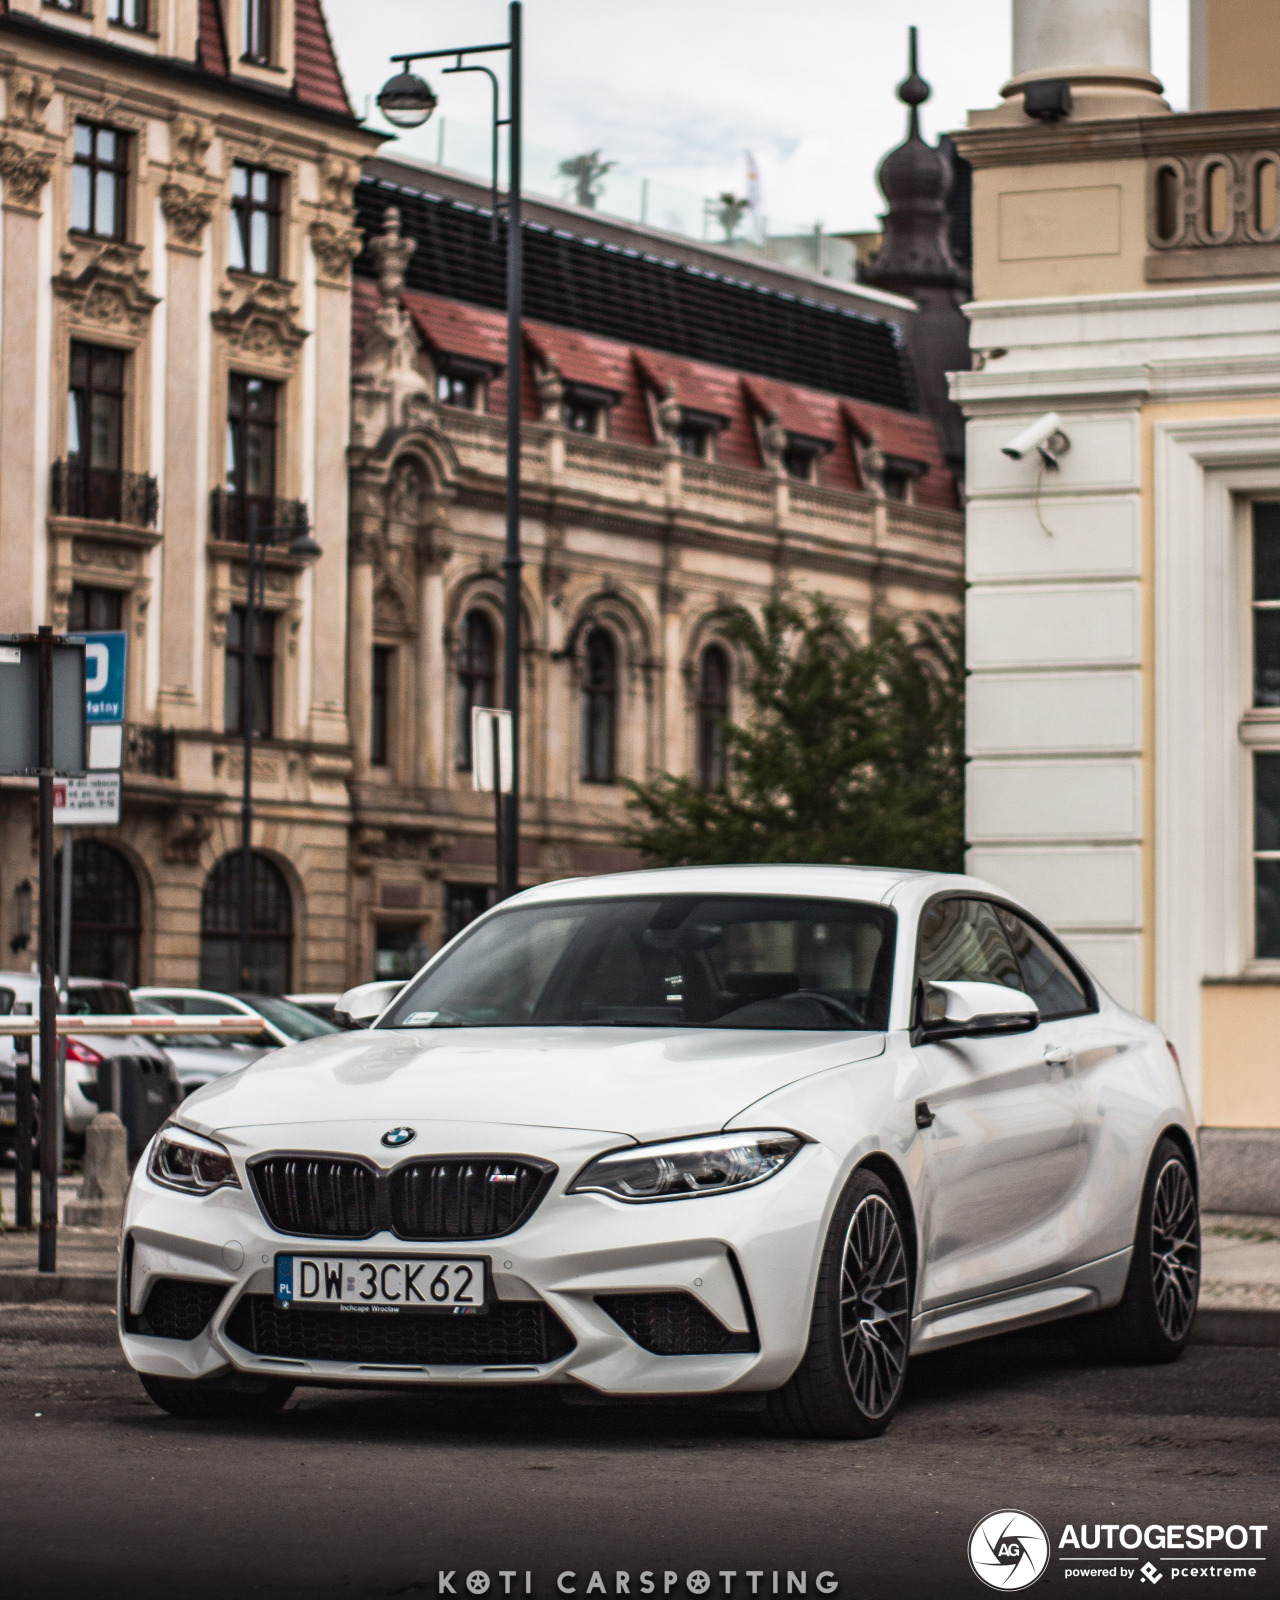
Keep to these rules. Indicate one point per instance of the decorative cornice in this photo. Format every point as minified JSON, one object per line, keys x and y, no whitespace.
{"x":1119,"y":139}
{"x":264,"y":323}
{"x":110,"y":290}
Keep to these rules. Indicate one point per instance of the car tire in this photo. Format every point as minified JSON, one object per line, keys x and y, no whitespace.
{"x":1152,"y":1322}
{"x":239,"y":1399}
{"x":850,"y":1380}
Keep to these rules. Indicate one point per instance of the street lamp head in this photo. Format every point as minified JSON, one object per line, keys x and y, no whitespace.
{"x":302,"y":544}
{"x":406,"y":100}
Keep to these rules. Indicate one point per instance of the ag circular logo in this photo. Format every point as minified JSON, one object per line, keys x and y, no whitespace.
{"x":1008,"y":1550}
{"x":393,"y":1138}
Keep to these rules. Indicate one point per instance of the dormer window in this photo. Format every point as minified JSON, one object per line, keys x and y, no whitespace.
{"x":457,"y":389}
{"x":694,"y":439}
{"x":585,"y":408}
{"x":256,"y":31}
{"x":581,"y":416}
{"x":900,"y":476}
{"x":801,"y":457}
{"x":131,"y":14}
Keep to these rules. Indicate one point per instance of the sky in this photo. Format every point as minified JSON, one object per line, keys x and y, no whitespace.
{"x":677,"y":90}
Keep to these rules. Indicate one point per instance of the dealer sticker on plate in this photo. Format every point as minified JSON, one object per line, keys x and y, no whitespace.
{"x":386,"y":1284}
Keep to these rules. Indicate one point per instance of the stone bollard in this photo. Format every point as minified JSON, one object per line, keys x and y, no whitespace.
{"x":106,"y":1175}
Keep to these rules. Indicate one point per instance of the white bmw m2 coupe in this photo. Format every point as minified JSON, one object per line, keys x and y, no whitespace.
{"x":758,"y":1130}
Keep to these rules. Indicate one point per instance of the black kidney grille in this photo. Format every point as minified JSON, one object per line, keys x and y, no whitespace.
{"x":673,"y":1324}
{"x":447,"y":1197}
{"x":512,"y":1333}
{"x":464,"y":1197}
{"x":177,"y":1308}
{"x":320,"y":1196}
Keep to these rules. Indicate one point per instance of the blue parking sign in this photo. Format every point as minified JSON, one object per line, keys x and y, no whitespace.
{"x":104,"y":663}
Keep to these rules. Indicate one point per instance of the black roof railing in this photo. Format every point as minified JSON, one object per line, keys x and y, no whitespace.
{"x":640,"y":299}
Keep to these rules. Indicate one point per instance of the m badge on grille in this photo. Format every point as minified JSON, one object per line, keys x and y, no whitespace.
{"x":393,"y":1138}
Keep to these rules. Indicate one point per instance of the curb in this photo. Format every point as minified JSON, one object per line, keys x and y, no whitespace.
{"x":1241,"y":1326}
{"x":71,"y":1288}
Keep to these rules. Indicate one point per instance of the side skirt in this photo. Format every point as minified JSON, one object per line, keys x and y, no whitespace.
{"x":1088,"y":1288}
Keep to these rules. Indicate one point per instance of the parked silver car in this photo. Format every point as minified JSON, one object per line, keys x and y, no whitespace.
{"x":199,"y":1058}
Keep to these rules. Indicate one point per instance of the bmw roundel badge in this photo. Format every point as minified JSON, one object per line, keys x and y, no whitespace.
{"x":393,"y":1138}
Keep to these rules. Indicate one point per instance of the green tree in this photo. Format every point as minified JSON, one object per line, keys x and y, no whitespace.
{"x":852,"y":750}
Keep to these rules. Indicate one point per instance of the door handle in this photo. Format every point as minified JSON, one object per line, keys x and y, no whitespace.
{"x":1058,"y":1055}
{"x":924,"y":1117}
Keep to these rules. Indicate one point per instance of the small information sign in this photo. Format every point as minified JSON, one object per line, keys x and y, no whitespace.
{"x":91,"y":801}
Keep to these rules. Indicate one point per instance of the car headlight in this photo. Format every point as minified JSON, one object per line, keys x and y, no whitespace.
{"x":188,"y":1161}
{"x":684,"y":1168}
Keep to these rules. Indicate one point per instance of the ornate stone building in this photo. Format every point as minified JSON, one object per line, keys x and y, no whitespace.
{"x":174,"y":355}
{"x":700,"y":431}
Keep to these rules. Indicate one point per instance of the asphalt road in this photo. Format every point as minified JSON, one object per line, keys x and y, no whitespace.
{"x":372,"y":1495}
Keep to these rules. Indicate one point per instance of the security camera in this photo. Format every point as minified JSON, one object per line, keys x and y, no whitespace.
{"x":1045,"y":435}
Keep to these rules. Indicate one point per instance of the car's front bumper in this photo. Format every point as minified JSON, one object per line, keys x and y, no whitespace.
{"x":749,"y":1258}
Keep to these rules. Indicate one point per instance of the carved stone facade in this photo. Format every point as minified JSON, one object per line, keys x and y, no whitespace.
{"x":141,"y":301}
{"x":636,"y":543}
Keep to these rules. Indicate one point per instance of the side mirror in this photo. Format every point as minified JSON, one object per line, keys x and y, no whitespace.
{"x":971,"y":1010}
{"x":360,"y":1007}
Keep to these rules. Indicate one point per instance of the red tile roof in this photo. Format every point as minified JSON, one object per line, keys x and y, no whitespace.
{"x":316,"y":79}
{"x":452,"y":327}
{"x":211,"y":46}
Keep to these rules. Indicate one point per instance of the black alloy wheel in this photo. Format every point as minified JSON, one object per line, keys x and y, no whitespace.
{"x":1175,"y":1249}
{"x":850,"y":1381}
{"x":229,"y":1399}
{"x":1152,"y":1322}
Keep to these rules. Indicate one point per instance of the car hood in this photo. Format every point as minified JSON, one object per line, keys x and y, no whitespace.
{"x":640,"y":1083}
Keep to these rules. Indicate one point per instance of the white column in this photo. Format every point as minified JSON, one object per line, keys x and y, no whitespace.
{"x":1052,"y":36}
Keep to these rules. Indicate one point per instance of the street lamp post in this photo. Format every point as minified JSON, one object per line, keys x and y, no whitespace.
{"x":407,"y":101}
{"x":257,"y":540}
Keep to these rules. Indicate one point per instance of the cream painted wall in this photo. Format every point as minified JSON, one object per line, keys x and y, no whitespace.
{"x":1241,"y":1056}
{"x":1235,"y":54}
{"x":1058,"y":229}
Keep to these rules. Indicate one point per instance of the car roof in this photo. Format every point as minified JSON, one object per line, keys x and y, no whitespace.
{"x":836,"y":882}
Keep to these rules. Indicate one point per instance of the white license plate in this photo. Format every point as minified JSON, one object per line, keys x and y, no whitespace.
{"x":452,"y":1284}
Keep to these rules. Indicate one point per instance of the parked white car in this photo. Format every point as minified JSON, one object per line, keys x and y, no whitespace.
{"x":282,"y":1021}
{"x":723,"y":1130}
{"x":20,"y":995}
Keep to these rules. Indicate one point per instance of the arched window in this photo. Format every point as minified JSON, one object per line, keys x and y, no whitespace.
{"x":270,"y":928}
{"x":713,"y":709}
{"x":106,"y":913}
{"x":599,"y":706}
{"x":477,"y":656}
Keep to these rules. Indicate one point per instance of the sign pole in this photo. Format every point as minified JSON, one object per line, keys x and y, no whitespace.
{"x":246,"y":729}
{"x":64,"y":941}
{"x":50,"y":1107}
{"x":497,"y":808}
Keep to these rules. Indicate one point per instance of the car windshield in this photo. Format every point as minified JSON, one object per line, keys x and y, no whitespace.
{"x":201,"y":1041}
{"x":291,"y":1020}
{"x":668,"y":962}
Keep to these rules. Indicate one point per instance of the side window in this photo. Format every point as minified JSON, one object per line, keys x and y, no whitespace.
{"x":1047,"y":976}
{"x":961,"y":941}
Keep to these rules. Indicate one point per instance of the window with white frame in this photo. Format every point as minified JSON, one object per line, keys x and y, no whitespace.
{"x":1265,"y":599}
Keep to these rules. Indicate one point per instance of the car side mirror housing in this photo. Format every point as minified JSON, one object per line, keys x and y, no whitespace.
{"x":973,"y":1010}
{"x":362,"y":1006}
